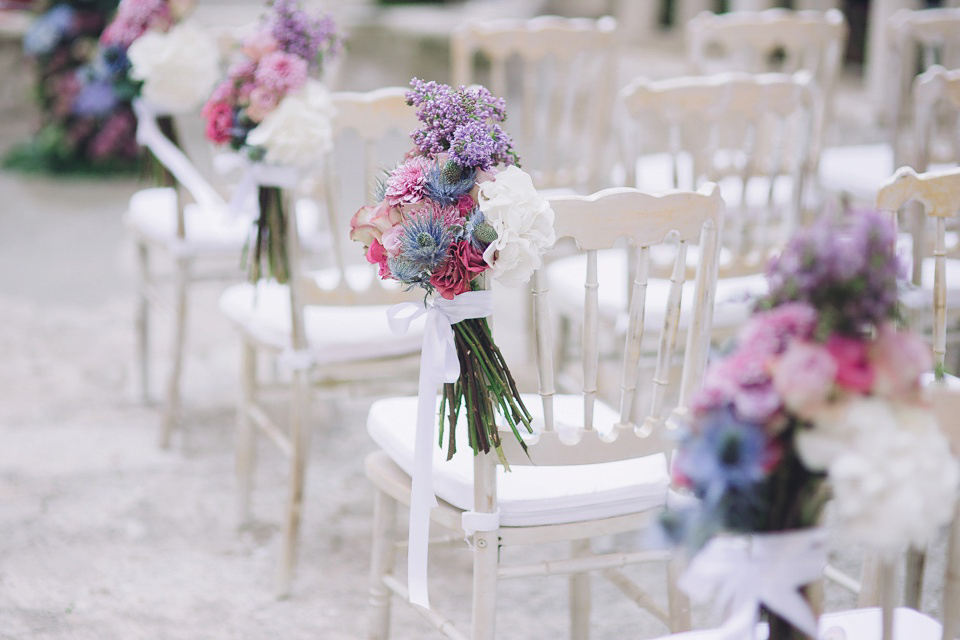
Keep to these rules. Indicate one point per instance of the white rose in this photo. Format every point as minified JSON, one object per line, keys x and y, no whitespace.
{"x":178,"y":68}
{"x":299,"y":130}
{"x":523,"y":221}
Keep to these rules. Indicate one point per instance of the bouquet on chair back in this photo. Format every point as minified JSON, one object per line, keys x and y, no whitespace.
{"x":273,"y":110}
{"x":455,"y":210}
{"x":819,"y":399}
{"x":150,"y":52}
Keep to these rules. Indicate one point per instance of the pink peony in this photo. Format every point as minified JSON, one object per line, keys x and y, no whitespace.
{"x":854,"y":372}
{"x":263,"y":100}
{"x":743,"y":380}
{"x":258,"y":44}
{"x":804,"y":377}
{"x":405,"y":183}
{"x":463,"y":265}
{"x":219,"y":117}
{"x":771,"y":330}
{"x":899,"y":359}
{"x":281,"y":72}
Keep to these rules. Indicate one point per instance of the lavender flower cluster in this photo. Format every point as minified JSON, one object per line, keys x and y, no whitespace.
{"x":298,"y":33}
{"x":849,"y":277}
{"x":463,"y":122}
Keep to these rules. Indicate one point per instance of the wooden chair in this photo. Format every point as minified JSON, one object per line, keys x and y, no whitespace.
{"x":745,"y":132}
{"x":558,"y":76}
{"x":614,"y":478}
{"x":774,"y":40}
{"x":328,"y":328}
{"x":917,"y":40}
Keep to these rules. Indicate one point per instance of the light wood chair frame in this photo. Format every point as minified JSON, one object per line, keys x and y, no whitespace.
{"x":594,"y":222}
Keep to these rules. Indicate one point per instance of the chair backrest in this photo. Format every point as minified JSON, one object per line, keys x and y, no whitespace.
{"x":646,"y":402}
{"x":936,"y":123}
{"x":917,"y":40}
{"x":558,"y":77}
{"x":157,"y":140}
{"x":939,"y":195}
{"x":775,"y":40}
{"x":747,"y":132}
{"x":946,"y":405}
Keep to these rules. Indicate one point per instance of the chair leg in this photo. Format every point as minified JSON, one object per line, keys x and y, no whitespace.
{"x":143,"y":319}
{"x":678,"y":604}
{"x":580,"y":597}
{"x":299,"y":447}
{"x":171,"y":410}
{"x":246,"y":432}
{"x":485,"y":563}
{"x":381,"y":564}
{"x":913,"y":584}
{"x":869,"y":581}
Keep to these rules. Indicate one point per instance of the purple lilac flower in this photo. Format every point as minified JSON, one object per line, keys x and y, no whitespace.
{"x":462,"y":121}
{"x":95,"y":99}
{"x":848,"y":274}
{"x":302,"y":35}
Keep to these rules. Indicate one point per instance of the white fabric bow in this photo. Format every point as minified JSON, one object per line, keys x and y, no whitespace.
{"x":438,"y":364}
{"x":255,"y":174}
{"x":740,"y":573}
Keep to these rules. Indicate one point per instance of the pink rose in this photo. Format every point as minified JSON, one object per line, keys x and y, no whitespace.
{"x":219,"y":117}
{"x":370,"y":223}
{"x":466,"y":204}
{"x":223,"y":92}
{"x":258,"y":44}
{"x":263,"y":100}
{"x":390,"y":239}
{"x":804,"y":377}
{"x":743,"y":380}
{"x":899,"y":359}
{"x":854,"y":372}
{"x":463,"y":265}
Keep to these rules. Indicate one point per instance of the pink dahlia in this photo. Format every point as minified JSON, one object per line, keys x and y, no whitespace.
{"x":405,"y":184}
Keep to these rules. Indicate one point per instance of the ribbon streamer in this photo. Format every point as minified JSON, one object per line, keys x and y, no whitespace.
{"x":150,"y":136}
{"x":438,"y":364}
{"x":741,"y":573}
{"x":255,"y":175}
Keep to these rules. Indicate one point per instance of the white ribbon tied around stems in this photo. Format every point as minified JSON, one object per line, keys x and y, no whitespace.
{"x":255,"y":175}
{"x":438,"y":364}
{"x":741,"y":573}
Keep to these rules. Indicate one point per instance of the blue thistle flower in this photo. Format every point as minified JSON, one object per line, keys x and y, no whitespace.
{"x":478,"y":231}
{"x":425,"y":241}
{"x":445,"y":184}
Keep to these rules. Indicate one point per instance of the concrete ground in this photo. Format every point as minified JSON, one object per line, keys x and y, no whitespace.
{"x":105,"y":536}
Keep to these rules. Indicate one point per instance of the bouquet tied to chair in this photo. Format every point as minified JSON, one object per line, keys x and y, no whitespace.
{"x":455,"y":210}
{"x":818,"y":400}
{"x":274,"y":112}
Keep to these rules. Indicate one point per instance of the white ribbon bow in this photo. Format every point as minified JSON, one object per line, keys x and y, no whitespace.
{"x":255,"y":174}
{"x":741,"y":573}
{"x":150,"y":136}
{"x":438,"y":364}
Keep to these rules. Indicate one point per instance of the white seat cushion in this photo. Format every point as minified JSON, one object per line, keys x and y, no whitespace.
{"x":856,"y":624}
{"x":152,"y":213}
{"x":857,"y":170}
{"x":732,"y":305}
{"x":528,"y":495}
{"x":334,"y":333}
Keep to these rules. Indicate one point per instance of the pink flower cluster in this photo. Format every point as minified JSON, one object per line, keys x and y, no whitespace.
{"x":134,"y":17}
{"x":779,"y":369}
{"x":253,"y":88}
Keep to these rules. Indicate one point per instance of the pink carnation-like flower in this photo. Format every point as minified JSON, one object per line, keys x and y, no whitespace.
{"x":281,"y":72}
{"x":899,"y":359}
{"x":804,"y":377}
{"x":854,"y":371}
{"x":771,"y":330}
{"x":743,"y":380}
{"x":405,"y":183}
{"x":219,"y":117}
{"x":464,"y":264}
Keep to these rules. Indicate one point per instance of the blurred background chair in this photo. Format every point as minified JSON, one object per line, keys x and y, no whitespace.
{"x":328,"y":328}
{"x":558,"y":76}
{"x":917,"y":39}
{"x":614,"y":478}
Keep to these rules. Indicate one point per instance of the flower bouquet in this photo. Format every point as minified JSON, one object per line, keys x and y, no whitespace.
{"x":61,"y":41}
{"x":272,"y":111}
{"x":447,"y":217}
{"x":819,"y":399}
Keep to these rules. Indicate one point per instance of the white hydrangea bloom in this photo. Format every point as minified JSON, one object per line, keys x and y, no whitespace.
{"x":523,"y":221}
{"x":299,"y":131}
{"x":178,"y":68}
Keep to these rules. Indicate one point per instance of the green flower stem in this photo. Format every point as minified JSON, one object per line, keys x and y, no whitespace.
{"x":271,"y":237}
